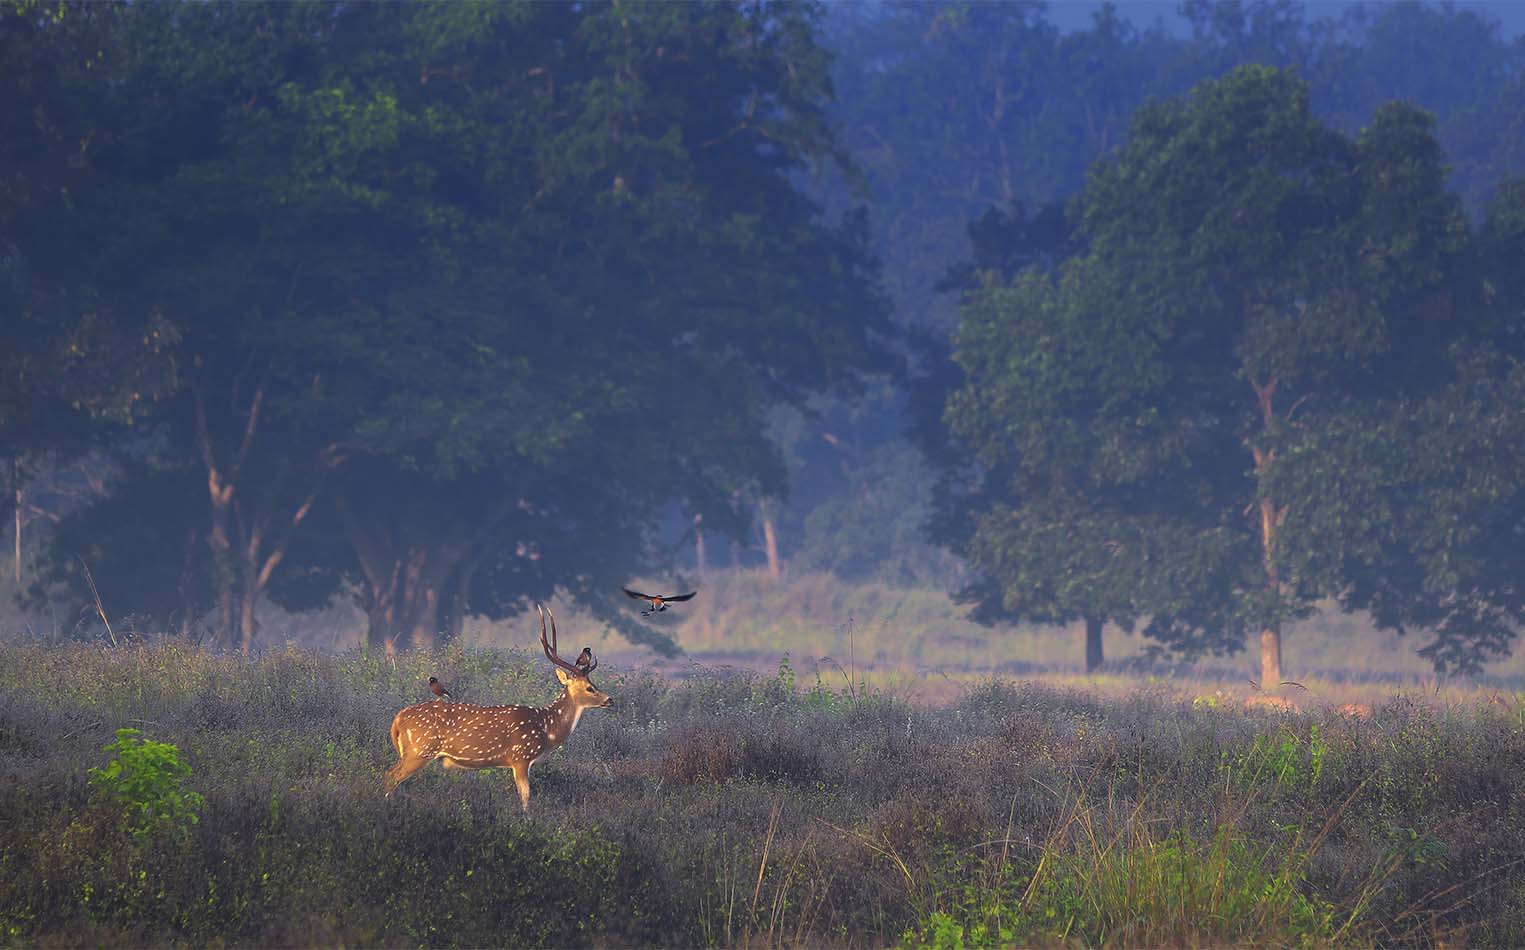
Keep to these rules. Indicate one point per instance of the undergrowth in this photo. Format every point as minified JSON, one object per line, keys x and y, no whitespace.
{"x":737,"y":808}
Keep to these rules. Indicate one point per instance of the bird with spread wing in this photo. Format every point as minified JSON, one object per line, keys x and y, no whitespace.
{"x":658,"y":602}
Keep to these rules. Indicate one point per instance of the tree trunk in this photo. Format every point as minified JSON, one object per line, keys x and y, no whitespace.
{"x":455,"y":615}
{"x":770,"y":545}
{"x":406,"y":586}
{"x":16,"y":487}
{"x":1270,"y":519}
{"x":223,"y":575}
{"x":379,"y":613}
{"x":424,"y":609}
{"x":1093,"y":644}
{"x":246,"y":605}
{"x":399,"y":614}
{"x":698,"y":543}
{"x":1270,"y":658}
{"x":221,"y":481}
{"x":411,"y":612}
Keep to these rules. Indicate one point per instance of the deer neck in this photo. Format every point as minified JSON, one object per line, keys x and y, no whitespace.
{"x":561,"y":718}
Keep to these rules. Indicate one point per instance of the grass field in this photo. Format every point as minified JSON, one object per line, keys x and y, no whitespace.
{"x":919,"y":644}
{"x":741,"y":808}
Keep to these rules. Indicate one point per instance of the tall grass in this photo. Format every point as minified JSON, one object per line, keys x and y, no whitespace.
{"x":737,"y":808}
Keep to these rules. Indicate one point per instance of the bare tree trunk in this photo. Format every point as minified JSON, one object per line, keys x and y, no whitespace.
{"x":460,"y":594}
{"x":770,"y":545}
{"x":261,"y":557}
{"x":16,"y":487}
{"x":1270,"y":657}
{"x":222,"y":562}
{"x":381,"y":572}
{"x":263,"y":537}
{"x":246,"y":617}
{"x":1094,"y":657}
{"x":417,"y":603}
{"x":380,"y":611}
{"x":406,"y":585}
{"x":1270,"y":519}
{"x":425,"y":575}
{"x":221,"y":482}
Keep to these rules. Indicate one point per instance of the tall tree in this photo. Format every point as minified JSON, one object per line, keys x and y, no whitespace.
{"x":479,"y":290}
{"x":1038,"y":512}
{"x":1439,"y":465}
{"x":1251,"y":279}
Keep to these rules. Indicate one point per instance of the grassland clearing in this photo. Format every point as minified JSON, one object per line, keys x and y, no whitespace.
{"x":734,"y":807}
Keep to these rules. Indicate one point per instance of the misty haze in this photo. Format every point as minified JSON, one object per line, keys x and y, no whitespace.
{"x":943,"y":474}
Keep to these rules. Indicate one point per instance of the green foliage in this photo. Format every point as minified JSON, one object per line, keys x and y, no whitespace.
{"x":147,"y":778}
{"x":576,"y":219}
{"x":786,"y":673}
{"x":1135,"y":888}
{"x":1284,"y":761}
{"x":1150,"y":421}
{"x":1224,"y":891}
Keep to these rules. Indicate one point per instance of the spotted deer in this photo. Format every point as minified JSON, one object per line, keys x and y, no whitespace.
{"x":465,"y":736}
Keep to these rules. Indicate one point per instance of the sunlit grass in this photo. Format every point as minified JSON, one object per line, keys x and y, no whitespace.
{"x":890,"y":635}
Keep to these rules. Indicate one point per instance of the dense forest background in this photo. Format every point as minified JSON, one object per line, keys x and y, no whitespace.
{"x":1189,"y":330}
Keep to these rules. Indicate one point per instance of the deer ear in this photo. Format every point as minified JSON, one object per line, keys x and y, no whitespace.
{"x":563,"y":675}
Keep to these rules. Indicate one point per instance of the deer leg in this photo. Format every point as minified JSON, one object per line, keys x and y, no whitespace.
{"x":522,"y":779}
{"x":405,"y":767}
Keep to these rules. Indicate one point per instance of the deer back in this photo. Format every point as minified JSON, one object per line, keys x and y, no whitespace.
{"x":469,"y":734}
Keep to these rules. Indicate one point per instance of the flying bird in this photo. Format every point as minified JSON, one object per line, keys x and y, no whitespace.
{"x":658,"y":602}
{"x":438,"y":688}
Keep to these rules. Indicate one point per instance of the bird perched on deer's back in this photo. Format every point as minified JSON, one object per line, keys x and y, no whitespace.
{"x":658,"y":602}
{"x":438,"y":689}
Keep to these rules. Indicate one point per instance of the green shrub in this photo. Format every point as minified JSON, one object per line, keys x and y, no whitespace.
{"x":1136,"y":889}
{"x":1282,"y":762}
{"x":147,"y":778}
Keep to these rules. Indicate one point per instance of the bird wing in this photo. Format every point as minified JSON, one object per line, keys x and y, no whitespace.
{"x":687,"y":596}
{"x":637,"y":594}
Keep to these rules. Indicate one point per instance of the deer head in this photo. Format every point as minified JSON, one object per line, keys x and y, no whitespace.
{"x":465,"y":736}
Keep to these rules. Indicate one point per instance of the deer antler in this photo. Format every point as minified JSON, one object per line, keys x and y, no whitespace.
{"x":550,"y":646}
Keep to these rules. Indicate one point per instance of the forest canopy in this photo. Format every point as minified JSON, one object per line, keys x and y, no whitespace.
{"x":448,"y":308}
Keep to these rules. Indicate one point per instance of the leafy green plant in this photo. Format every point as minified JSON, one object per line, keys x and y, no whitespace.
{"x":148,"y":779}
{"x":1284,"y":761}
{"x":1140,"y":890}
{"x":786,"y":673}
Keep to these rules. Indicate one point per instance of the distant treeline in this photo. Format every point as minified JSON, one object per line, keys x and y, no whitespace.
{"x":449,"y":307}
